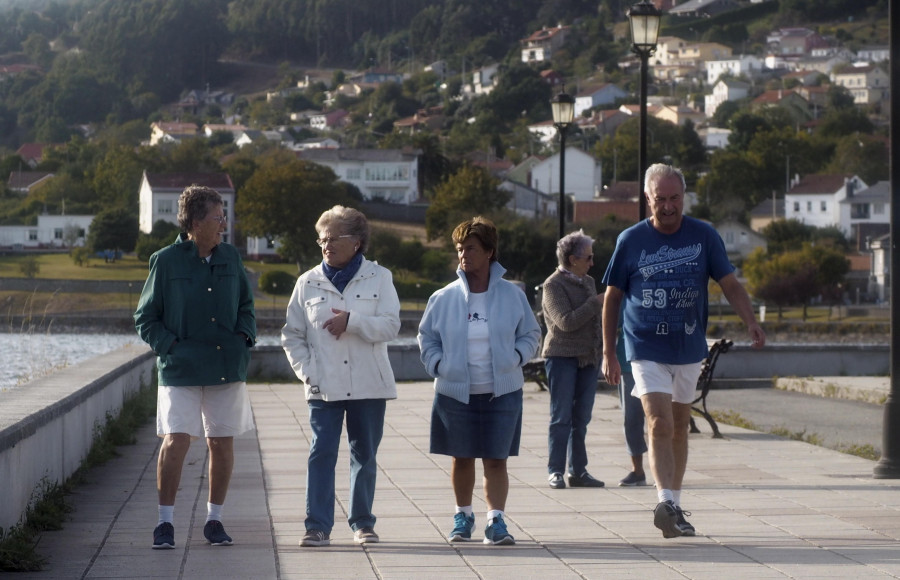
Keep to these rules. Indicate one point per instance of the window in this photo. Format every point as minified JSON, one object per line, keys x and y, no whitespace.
{"x":809,"y":207}
{"x":824,"y":206}
{"x":32,"y":235}
{"x":859,"y":211}
{"x":878,"y":208}
{"x":57,"y":233}
{"x":164,"y":206}
{"x":354,"y":173}
{"x":796,"y":206}
{"x":729,"y":237}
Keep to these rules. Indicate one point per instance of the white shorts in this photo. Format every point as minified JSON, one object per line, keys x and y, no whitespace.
{"x":215,"y":411}
{"x":680,"y":381}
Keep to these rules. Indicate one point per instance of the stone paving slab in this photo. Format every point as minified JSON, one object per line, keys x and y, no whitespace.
{"x":764,"y":507}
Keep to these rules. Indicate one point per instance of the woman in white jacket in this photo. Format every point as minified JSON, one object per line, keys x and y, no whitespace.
{"x":340,"y":318}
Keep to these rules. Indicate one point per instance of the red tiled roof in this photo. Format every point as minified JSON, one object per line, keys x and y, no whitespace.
{"x":820,"y":183}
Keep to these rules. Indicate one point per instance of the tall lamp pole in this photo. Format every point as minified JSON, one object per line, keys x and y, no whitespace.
{"x":888,"y":467}
{"x":644,"y":18}
{"x":563,"y":106}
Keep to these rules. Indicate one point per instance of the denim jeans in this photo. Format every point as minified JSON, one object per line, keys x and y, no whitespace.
{"x":365,"y":426}
{"x":633,"y":412}
{"x":572,"y":393}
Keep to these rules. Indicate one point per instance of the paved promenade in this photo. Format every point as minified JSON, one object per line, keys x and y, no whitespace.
{"x":764,"y":507}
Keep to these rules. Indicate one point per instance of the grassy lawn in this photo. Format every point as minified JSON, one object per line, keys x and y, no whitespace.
{"x":129,"y":268}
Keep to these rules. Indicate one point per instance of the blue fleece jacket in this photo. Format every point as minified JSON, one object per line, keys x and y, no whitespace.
{"x":514,"y":335}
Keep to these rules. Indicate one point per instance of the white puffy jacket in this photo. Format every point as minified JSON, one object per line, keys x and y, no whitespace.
{"x":356,"y":365}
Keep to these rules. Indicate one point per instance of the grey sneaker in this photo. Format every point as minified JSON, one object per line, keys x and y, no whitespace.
{"x":365,"y":536}
{"x":315,"y":538}
{"x":665,"y":517}
{"x":685,"y":526}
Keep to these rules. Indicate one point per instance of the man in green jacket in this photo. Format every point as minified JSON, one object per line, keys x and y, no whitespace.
{"x":196,"y":312}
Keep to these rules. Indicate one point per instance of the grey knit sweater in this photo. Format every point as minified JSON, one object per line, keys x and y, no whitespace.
{"x":572,"y":315}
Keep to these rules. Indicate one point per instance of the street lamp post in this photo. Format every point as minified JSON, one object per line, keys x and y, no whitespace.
{"x":563,"y":106}
{"x":644,"y":18}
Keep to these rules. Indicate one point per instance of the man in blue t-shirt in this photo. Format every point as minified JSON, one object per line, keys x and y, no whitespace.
{"x":660,"y":269}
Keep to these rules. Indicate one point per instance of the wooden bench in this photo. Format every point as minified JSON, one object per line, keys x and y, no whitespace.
{"x":534,"y":371}
{"x":704,"y":383}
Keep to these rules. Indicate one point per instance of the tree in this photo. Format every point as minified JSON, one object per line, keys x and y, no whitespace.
{"x":284,"y":198}
{"x":796,"y":276}
{"x":162,"y":234}
{"x":786,"y":235}
{"x":469,"y":192}
{"x":113,"y":230}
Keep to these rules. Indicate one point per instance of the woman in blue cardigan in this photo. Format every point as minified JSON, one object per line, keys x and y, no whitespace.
{"x":475,"y":336}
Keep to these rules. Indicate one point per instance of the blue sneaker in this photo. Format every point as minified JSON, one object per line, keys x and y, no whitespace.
{"x":164,"y":536}
{"x":462,"y":527}
{"x":496,"y":534}
{"x":215,"y":534}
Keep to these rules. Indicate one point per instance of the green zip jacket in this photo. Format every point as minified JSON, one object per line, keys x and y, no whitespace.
{"x":206,"y":307}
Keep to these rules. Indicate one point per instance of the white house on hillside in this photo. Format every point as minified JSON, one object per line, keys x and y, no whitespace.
{"x":746,"y":65}
{"x":871,"y":205}
{"x":816,"y":199}
{"x":390,"y":175}
{"x":727,"y":89}
{"x":51,"y":231}
{"x":583,"y":175}
{"x":159,"y":195}
{"x":594,"y":96}
{"x":171,"y":132}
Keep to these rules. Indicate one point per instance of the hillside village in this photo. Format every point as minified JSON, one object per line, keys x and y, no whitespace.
{"x":798,"y":73}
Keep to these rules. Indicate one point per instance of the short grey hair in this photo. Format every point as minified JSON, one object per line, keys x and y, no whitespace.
{"x":349,"y":221}
{"x":194,"y":204}
{"x":659,"y":171}
{"x":571,"y":245}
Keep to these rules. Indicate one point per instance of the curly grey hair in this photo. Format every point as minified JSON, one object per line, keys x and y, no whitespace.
{"x":572,"y":244}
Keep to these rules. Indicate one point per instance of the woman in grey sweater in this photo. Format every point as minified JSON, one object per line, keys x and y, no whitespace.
{"x":572,"y":348}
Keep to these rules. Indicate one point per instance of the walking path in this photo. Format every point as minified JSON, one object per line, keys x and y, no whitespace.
{"x":764,"y":507}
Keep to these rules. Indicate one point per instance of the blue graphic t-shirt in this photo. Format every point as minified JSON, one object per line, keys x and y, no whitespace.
{"x":664,"y":279}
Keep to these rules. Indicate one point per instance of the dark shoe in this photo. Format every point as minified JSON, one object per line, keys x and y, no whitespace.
{"x":685,"y":526}
{"x":584,"y":480}
{"x":665,"y":517}
{"x":462,"y":527}
{"x":556,"y":481}
{"x":164,"y":536}
{"x":215,"y":534}
{"x":633,"y":479}
{"x":315,"y":538}
{"x":365,"y":536}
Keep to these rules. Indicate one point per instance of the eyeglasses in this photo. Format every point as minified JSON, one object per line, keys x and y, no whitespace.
{"x":322,"y":242}
{"x":587,"y":258}
{"x":220,"y":218}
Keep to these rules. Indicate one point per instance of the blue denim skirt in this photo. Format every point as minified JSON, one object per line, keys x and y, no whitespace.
{"x":488,"y":427}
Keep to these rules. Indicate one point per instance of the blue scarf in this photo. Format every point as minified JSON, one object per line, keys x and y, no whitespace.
{"x":340,"y":277}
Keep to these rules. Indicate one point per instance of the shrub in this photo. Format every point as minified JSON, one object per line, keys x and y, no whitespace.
{"x":277,"y":282}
